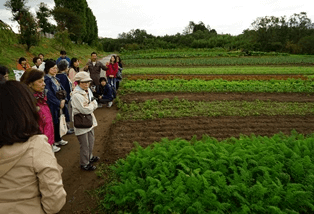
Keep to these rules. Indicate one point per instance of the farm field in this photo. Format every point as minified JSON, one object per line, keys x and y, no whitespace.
{"x":267,"y":95}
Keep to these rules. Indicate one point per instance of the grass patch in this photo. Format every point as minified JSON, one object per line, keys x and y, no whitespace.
{"x":11,"y":53}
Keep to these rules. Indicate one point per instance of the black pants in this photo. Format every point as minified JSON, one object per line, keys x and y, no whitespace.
{"x":104,"y":101}
{"x":117,"y":85}
{"x":57,"y":132}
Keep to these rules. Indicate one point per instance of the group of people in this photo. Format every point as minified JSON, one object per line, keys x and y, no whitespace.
{"x":46,"y":91}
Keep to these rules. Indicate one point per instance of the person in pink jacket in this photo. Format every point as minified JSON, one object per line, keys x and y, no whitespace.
{"x":34,"y":79}
{"x":30,"y":177}
{"x":112,"y":71}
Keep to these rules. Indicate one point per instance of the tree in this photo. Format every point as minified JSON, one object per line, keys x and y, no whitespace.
{"x":42,"y":15}
{"x":193,"y":28}
{"x":79,"y":8}
{"x":137,"y":36}
{"x":68,"y":20}
{"x":28,"y":30}
{"x":26,"y":21}
{"x":17,"y":7}
{"x":91,"y":27}
{"x":306,"y":45}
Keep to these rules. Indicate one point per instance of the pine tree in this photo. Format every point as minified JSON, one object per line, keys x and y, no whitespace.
{"x":28,"y":25}
{"x":42,"y":15}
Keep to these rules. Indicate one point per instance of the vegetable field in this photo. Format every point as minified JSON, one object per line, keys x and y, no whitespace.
{"x":235,"y":138}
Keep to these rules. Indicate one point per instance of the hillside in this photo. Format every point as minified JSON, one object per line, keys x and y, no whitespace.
{"x":10,"y":53}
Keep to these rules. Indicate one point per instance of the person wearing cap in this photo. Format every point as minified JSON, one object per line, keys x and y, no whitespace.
{"x":83,"y":102}
{"x":55,"y":103}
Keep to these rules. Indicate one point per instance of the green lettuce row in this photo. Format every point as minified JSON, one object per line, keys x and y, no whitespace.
{"x":280,"y":60}
{"x":219,"y":85}
{"x":247,"y":175}
{"x":222,"y":70}
{"x":152,"y":109}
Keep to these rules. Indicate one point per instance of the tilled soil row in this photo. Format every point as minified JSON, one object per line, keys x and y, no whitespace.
{"x":210,"y":96}
{"x":214,"y":76}
{"x":124,"y":133}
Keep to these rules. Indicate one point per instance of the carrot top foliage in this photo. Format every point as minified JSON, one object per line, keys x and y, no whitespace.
{"x":252,"y":174}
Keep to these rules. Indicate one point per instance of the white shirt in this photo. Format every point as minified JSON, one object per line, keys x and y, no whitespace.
{"x":41,"y":67}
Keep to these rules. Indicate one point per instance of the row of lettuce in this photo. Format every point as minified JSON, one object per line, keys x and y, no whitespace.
{"x":222,"y":70}
{"x":218,"y":85}
{"x":176,"y":108}
{"x":219,"y":61}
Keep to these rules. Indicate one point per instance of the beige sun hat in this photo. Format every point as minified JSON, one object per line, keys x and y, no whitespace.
{"x":82,"y":76}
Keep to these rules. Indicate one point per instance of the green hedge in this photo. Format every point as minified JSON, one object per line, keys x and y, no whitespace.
{"x":247,"y":175}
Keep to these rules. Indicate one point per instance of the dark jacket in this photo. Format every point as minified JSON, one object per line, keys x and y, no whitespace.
{"x":106,"y":91}
{"x":95,"y":71}
{"x":64,"y":81}
{"x":66,"y":58}
{"x":53,"y":102}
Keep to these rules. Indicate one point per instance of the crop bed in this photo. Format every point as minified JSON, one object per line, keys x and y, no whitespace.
{"x":124,"y":133}
{"x":213,"y":77}
{"x":224,"y":103}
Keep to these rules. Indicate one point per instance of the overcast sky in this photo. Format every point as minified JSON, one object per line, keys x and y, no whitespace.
{"x":171,"y":17}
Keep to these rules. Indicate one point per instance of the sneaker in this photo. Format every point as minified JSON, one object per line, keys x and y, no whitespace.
{"x":61,"y":143}
{"x":109,"y":104}
{"x":55,"y":148}
{"x":70,"y":131}
{"x":99,"y":105}
{"x":88,"y":167}
{"x":94,"y":159}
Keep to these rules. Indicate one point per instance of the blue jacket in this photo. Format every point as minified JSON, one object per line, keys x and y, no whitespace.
{"x":64,"y":81}
{"x":67,"y":59}
{"x":53,"y":102}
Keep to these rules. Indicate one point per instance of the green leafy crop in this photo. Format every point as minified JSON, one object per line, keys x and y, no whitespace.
{"x":247,"y":175}
{"x":152,"y":109}
{"x":218,"y":85}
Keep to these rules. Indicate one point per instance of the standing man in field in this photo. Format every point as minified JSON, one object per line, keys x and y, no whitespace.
{"x":94,"y":67}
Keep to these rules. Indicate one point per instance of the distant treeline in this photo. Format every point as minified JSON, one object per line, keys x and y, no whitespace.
{"x":281,"y":34}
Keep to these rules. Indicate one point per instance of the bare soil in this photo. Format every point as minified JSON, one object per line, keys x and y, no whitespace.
{"x":115,"y":140}
{"x":209,"y":96}
{"x":124,"y":133}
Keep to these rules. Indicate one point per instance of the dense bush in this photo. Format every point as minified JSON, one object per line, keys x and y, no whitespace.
{"x":246,"y":175}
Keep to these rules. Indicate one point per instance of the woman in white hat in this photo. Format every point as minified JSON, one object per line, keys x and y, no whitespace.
{"x":84,"y":103}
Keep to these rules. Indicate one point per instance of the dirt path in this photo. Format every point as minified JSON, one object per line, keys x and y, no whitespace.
{"x":76,"y":181}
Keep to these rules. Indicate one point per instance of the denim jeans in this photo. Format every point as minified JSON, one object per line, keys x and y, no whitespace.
{"x":112,"y":81}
